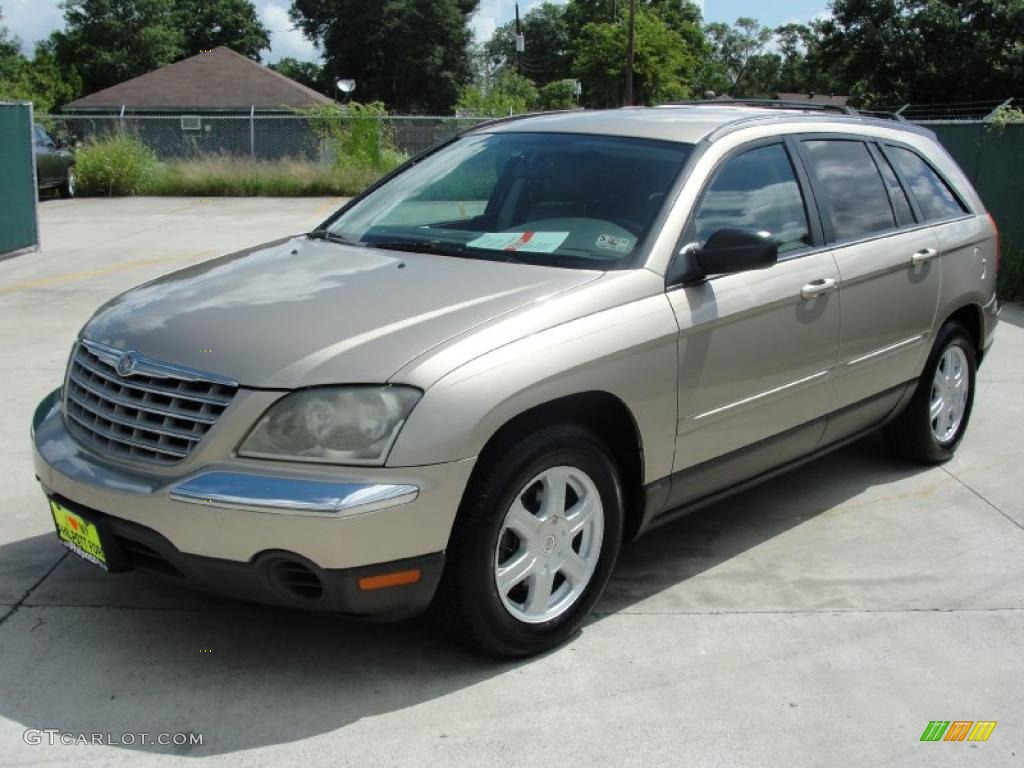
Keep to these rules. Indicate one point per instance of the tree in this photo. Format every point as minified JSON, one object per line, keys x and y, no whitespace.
{"x":110,"y":41}
{"x":509,"y":94}
{"x":38,"y":80}
{"x":206,"y":24}
{"x":666,"y":60}
{"x":740,"y":64}
{"x":546,"y":57}
{"x":309,"y":73}
{"x":410,"y":54}
{"x":893,"y":51}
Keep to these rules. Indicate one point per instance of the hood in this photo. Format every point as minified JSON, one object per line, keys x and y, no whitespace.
{"x":301,"y":312}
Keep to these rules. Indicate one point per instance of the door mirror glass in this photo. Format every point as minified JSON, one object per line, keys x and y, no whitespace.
{"x":736,"y":250}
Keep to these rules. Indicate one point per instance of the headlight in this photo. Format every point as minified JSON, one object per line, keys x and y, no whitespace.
{"x":335,"y":425}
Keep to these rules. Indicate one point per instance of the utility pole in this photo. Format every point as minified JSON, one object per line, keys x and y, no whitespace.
{"x":629,"y":53}
{"x":520,"y":43}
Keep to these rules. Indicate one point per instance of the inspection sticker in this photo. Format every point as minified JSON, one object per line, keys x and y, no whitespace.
{"x":613,"y":243}
{"x":531,"y":242}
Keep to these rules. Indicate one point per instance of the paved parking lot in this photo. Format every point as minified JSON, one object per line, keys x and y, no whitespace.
{"x":821,"y":619}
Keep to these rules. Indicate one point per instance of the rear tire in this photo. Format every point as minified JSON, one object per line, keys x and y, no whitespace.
{"x":552,"y":551}
{"x":932,"y":425}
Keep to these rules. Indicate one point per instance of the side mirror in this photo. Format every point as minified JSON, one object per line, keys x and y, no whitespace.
{"x":736,"y":250}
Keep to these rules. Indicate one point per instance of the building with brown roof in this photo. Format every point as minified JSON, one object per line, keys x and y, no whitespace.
{"x":214,"y":81}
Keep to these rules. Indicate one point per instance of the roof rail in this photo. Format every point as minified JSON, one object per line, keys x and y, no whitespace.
{"x":793,"y":104}
{"x":882,"y":115}
{"x":768,"y":104}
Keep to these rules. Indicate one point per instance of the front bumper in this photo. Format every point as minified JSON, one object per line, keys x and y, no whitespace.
{"x":222,"y":524}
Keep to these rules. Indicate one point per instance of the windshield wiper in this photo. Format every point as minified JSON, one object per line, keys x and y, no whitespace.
{"x":325,"y":234}
{"x":443,"y":249}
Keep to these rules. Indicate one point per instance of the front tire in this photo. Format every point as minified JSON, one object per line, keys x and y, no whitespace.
{"x":934,"y":422}
{"x":534,"y":544}
{"x":67,"y":188}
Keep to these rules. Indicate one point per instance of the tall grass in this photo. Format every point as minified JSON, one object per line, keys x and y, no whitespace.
{"x":226,"y":176}
{"x":118,"y":164}
{"x":122,"y":164}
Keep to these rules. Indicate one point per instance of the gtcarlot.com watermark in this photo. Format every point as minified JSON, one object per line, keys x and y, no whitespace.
{"x":53,"y":736}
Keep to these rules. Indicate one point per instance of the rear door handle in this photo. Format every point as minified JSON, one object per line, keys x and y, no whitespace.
{"x":925,"y":254}
{"x":817,"y":288}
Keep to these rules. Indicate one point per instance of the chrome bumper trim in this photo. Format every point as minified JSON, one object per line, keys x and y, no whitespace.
{"x":287,"y":495}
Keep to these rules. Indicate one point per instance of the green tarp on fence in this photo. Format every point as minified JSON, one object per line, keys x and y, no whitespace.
{"x":17,"y":179}
{"x":994,"y":161}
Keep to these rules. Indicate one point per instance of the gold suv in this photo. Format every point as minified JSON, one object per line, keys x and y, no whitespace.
{"x":475,"y":381}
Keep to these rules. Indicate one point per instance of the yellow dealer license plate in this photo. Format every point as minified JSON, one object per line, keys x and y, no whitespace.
{"x":78,"y":535}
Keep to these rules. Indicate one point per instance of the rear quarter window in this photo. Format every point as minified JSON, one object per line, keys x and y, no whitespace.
{"x":932,"y":194}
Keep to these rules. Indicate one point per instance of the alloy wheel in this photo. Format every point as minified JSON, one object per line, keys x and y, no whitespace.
{"x":549,"y":544}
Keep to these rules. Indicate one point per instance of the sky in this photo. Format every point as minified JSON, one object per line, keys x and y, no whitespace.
{"x":33,"y":20}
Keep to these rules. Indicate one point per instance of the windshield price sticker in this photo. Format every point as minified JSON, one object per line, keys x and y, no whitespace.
{"x":530,"y":242}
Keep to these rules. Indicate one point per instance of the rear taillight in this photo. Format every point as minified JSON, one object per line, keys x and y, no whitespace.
{"x":999,"y":249}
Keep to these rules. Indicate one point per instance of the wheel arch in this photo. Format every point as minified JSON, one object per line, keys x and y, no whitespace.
{"x":970,"y":316}
{"x":599,"y":411}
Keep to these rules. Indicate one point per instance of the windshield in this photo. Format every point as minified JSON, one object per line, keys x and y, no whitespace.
{"x":545,"y":198}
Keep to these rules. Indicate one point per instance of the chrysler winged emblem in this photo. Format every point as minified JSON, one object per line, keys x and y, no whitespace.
{"x":126,"y":364}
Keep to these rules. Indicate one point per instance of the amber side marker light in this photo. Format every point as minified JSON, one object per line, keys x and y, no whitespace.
{"x":396,"y":579}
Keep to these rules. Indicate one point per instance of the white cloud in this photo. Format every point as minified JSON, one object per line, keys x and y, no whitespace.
{"x":285,"y":40}
{"x":493,"y":13}
{"x":31,"y":20}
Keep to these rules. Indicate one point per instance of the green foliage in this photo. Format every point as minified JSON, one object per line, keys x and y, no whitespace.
{"x":546,"y":58}
{"x":226,"y":176}
{"x":925,"y":51}
{"x":508,"y":94}
{"x":122,"y":164}
{"x":557,"y":95}
{"x":38,"y":80}
{"x":1005,"y":115}
{"x":206,"y":24}
{"x":739,"y":63}
{"x":118,"y":164}
{"x":666,"y":59}
{"x":309,"y":73}
{"x":111,"y":41}
{"x":411,"y":55}
{"x":357,"y":135}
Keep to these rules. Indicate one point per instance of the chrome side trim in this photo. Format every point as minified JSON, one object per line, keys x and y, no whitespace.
{"x":884,"y":350}
{"x":147,"y":366}
{"x":288,"y":495}
{"x":762,"y":395}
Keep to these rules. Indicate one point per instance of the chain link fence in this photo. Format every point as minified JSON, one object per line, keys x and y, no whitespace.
{"x":258,"y":136}
{"x":952,"y":112}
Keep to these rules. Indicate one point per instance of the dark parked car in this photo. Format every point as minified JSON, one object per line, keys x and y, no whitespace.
{"x":55,"y":165}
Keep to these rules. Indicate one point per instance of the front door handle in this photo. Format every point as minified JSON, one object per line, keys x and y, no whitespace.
{"x":924,"y":255}
{"x":817,"y":288}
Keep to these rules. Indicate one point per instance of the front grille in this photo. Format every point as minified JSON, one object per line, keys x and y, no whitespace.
{"x":152,"y":415}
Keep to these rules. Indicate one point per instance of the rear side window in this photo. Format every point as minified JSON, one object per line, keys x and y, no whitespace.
{"x":756,"y":190}
{"x":932,"y":194}
{"x":855,"y":195}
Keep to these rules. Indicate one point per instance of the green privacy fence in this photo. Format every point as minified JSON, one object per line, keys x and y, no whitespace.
{"x":18,"y":225}
{"x":994,"y":161}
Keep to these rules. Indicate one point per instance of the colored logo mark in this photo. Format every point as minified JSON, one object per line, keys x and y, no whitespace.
{"x":958,"y":730}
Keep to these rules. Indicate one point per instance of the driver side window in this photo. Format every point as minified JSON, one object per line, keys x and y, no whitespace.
{"x":757,"y":190}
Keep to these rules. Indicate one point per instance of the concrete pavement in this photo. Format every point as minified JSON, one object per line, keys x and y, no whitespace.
{"x":821,"y":619}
